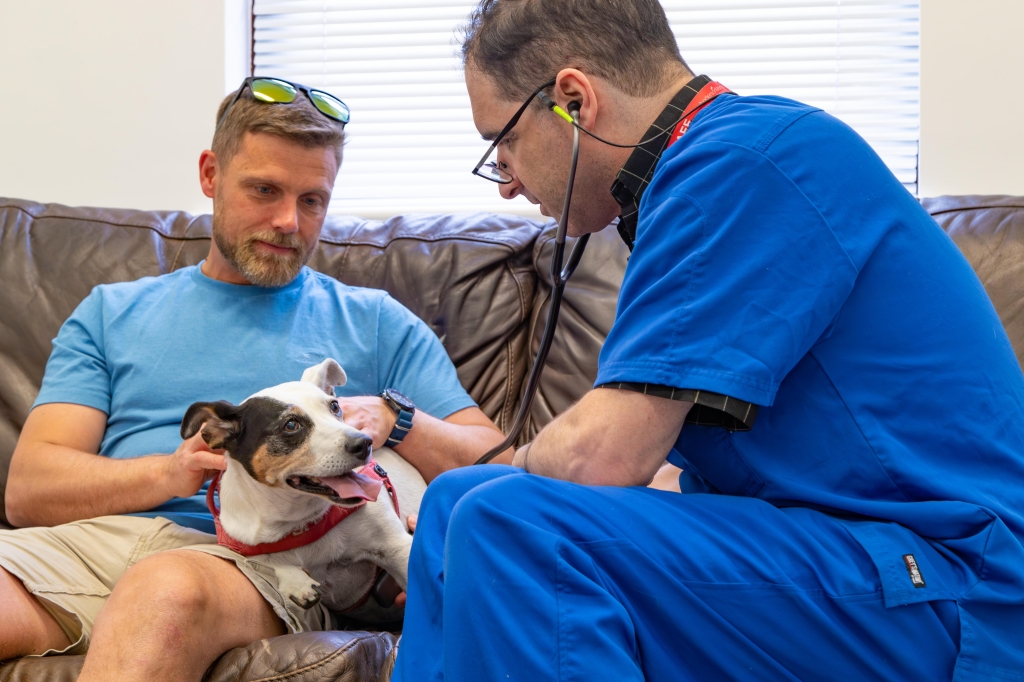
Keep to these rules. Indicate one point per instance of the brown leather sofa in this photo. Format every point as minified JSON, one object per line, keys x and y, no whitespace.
{"x":480,"y":281}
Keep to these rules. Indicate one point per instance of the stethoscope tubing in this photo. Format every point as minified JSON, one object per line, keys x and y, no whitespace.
{"x":559,"y":277}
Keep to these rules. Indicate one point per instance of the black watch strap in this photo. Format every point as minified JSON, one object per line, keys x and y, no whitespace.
{"x":402,"y":427}
{"x":404,"y":409}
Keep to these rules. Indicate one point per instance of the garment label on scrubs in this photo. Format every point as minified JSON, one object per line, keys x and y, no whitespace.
{"x":913,"y":570}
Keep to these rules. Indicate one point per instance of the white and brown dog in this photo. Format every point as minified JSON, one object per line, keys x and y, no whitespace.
{"x":300,"y":484}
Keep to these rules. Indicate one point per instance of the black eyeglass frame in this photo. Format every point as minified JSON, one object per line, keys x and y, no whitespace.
{"x":247,"y":83}
{"x":504,"y":131}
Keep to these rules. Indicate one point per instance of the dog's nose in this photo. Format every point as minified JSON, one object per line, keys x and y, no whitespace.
{"x":360,"y":446}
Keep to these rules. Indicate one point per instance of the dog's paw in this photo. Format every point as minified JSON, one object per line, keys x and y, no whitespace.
{"x":299,"y":587}
{"x":309,"y":598}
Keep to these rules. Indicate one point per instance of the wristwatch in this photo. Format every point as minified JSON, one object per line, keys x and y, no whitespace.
{"x":405,"y":409}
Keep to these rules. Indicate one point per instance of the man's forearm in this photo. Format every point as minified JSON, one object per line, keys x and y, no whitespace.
{"x":434,"y":446}
{"x":52,"y":484}
{"x":610,"y":437}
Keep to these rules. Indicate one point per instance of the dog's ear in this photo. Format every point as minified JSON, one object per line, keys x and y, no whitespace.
{"x":220,"y":422}
{"x":326,"y":375}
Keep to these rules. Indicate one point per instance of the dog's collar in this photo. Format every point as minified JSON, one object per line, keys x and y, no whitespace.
{"x":300,"y":537}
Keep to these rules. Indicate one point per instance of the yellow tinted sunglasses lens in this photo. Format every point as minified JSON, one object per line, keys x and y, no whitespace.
{"x":330,"y":105}
{"x":273,"y":90}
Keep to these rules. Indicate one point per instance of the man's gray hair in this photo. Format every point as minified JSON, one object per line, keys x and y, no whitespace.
{"x":521,"y":44}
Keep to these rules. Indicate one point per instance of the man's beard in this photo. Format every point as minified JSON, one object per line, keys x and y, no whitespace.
{"x":258,"y":266}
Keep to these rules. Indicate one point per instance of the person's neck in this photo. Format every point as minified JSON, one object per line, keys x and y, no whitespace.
{"x":645,"y":110}
{"x":636,"y":116}
{"x":216,"y":267}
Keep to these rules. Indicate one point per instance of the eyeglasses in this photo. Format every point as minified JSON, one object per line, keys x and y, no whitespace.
{"x":491,"y":171}
{"x":277,"y":91}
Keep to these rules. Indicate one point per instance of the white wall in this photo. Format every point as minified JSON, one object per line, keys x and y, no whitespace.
{"x":116,"y":98}
{"x":972,"y":97}
{"x":109,"y":102}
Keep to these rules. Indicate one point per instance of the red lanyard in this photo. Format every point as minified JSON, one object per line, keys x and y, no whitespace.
{"x":703,"y":98}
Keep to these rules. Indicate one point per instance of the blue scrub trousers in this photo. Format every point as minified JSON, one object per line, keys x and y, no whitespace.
{"x":521,"y":578}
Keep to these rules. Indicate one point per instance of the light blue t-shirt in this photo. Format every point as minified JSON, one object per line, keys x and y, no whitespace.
{"x":143,"y":351}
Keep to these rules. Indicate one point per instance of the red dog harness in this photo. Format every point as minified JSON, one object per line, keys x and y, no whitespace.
{"x":300,"y":537}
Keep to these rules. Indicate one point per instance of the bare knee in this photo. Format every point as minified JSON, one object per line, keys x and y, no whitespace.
{"x":182,"y":594}
{"x":26,"y":627}
{"x":169,"y":587}
{"x":172,"y":614}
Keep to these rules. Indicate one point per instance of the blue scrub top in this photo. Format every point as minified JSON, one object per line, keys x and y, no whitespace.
{"x":778,"y":261}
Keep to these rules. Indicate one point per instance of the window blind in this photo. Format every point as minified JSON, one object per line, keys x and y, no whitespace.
{"x":412,"y":143}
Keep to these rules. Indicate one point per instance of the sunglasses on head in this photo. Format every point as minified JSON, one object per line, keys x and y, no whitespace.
{"x":277,"y":91}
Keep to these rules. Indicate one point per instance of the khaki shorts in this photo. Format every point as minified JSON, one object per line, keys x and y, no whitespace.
{"x":72,"y":568}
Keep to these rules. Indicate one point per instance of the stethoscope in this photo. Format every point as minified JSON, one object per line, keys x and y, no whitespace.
{"x":559,"y":276}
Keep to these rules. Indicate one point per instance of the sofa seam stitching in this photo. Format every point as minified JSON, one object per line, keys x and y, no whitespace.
{"x":106,"y":222}
{"x":455,"y":234}
{"x":181,"y":247}
{"x":540,"y":304}
{"x":508,"y":409}
{"x":963,"y":209}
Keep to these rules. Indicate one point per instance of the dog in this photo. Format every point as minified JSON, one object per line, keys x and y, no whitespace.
{"x":293,"y":468}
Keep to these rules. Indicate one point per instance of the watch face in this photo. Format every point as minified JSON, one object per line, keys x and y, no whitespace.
{"x":399,"y":399}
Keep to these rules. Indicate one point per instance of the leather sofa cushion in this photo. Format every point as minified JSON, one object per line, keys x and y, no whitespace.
{"x":585,"y":318}
{"x":337,"y":656}
{"x":469,"y":277}
{"x":990,"y":232}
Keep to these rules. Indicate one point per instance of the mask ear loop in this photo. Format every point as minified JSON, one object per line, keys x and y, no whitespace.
{"x":559,"y":277}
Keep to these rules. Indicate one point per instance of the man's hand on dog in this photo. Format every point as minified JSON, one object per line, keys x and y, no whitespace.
{"x":371,"y":415}
{"x":191,"y":465}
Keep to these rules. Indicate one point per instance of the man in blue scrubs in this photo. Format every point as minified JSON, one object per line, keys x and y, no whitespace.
{"x":796,"y":334}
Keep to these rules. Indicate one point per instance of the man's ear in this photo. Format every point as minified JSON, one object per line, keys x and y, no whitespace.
{"x":208,"y":169}
{"x":572,"y":85}
{"x":326,"y":375}
{"x":220,"y":421}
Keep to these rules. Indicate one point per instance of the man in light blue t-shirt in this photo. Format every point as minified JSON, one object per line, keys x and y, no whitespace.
{"x":131,"y":359}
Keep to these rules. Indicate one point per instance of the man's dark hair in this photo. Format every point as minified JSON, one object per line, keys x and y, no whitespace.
{"x":520,"y":44}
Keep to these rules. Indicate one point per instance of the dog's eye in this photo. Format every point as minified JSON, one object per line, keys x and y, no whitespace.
{"x":291,"y":426}
{"x":335,"y":407}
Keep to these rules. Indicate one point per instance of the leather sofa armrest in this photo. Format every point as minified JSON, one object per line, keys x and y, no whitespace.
{"x":345,"y":656}
{"x":51,"y":669}
{"x":306,"y":657}
{"x":333,"y":655}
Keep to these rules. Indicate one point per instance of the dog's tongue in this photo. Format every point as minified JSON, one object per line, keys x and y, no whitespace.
{"x":354,"y":485}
